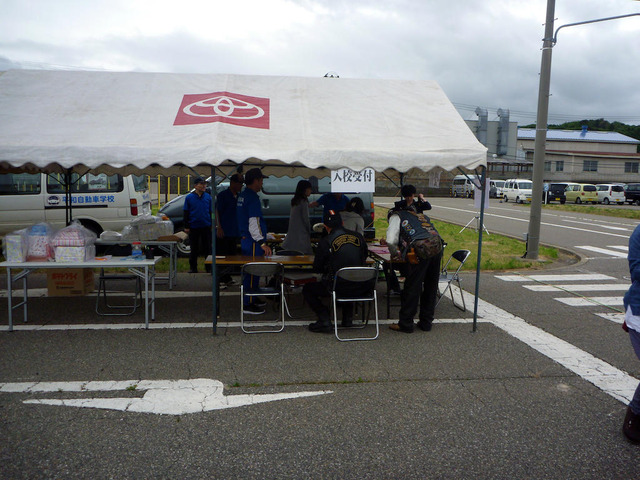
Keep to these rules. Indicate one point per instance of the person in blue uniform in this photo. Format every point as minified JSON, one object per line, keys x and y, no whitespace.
{"x":197,"y":222}
{"x":631,"y":425}
{"x":227,"y":233}
{"x":331,"y":201}
{"x":253,"y":233}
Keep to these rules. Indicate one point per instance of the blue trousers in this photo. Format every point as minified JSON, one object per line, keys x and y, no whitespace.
{"x":250,"y":282}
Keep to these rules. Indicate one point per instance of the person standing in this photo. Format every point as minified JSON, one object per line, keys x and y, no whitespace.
{"x":410,"y":202}
{"x":413,"y":239}
{"x":299,"y":231}
{"x":253,"y":234}
{"x":340,"y":248}
{"x":197,"y":222}
{"x":227,"y":233}
{"x":331,"y":201}
{"x":631,"y":425}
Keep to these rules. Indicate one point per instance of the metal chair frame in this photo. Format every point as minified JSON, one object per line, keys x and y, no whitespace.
{"x":461,"y":256}
{"x":264,"y":269}
{"x":290,"y":280}
{"x":362,"y":275}
{"x":102,"y":287}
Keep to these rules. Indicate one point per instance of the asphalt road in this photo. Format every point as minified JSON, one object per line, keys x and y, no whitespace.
{"x":538,"y":391}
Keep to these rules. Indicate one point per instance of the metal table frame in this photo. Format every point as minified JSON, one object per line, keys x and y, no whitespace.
{"x":144,"y":268}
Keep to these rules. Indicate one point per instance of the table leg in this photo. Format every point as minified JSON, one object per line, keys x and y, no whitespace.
{"x":10,"y":298}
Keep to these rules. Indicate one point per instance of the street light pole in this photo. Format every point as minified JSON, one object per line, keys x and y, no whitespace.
{"x":539,"y":151}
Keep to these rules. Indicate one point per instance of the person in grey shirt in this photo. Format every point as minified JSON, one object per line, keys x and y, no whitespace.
{"x":352,"y":216}
{"x":299,"y":233}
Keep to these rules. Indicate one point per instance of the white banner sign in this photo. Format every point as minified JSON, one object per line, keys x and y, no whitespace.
{"x":346,"y":180}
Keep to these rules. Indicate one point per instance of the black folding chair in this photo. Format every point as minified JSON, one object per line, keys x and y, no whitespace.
{"x":460,"y":256}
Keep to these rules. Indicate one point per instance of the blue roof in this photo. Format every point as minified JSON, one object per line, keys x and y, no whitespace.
{"x":577,"y":135}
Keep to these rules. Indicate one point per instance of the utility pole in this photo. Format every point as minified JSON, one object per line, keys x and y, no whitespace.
{"x":535,"y":215}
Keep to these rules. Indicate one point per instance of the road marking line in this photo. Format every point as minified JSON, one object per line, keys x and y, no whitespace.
{"x":598,"y":225}
{"x":602,"y":250}
{"x":556,"y":278}
{"x":613,"y":317}
{"x":600,"y":287}
{"x":42,"y":292}
{"x":617,"y":383}
{"x":620,"y":247}
{"x":590,"y":301}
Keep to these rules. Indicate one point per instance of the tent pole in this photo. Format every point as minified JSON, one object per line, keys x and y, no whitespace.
{"x":483,"y":185}
{"x":67,"y":194}
{"x":214,"y":273}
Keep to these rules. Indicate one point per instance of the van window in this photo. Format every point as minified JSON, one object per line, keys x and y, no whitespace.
{"x":140,"y":182}
{"x":20,"y":183}
{"x":589,"y":188}
{"x":86,"y":183}
{"x":459,"y":181}
{"x":602,"y":188}
{"x":617,"y":188}
{"x":273,"y":185}
{"x":525,"y":185}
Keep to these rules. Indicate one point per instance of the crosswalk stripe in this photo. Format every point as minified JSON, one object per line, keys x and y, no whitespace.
{"x":602,"y":250}
{"x":590,"y":302}
{"x":613,"y":317}
{"x":598,"y":287}
{"x":575,"y":277}
{"x":620,"y":247}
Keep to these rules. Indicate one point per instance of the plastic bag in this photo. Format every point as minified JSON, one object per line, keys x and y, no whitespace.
{"x":75,"y":235}
{"x":16,"y":246}
{"x":130,"y":233}
{"x":39,"y":241}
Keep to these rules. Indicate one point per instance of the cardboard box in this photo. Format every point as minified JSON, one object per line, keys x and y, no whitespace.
{"x":70,"y":282}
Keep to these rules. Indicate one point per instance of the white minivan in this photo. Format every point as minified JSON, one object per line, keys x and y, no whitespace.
{"x":518,"y":190}
{"x":463,"y":185}
{"x":99,"y":201}
{"x":610,"y":193}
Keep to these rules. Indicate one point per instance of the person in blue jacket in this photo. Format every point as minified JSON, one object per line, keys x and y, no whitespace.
{"x":197,"y":222}
{"x":631,"y":425}
{"x":253,"y":233}
{"x":227,"y":233}
{"x":331,"y":201}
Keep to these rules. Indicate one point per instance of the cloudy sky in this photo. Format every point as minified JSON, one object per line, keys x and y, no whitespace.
{"x":482,"y":52}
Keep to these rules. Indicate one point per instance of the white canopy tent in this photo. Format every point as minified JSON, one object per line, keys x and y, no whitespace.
{"x":174,"y":123}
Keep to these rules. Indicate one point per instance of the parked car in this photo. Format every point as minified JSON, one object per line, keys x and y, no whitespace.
{"x":463,"y":185}
{"x":99,"y":202}
{"x":581,"y":193}
{"x":555,"y":192}
{"x":518,"y":190}
{"x":496,"y":188}
{"x":610,"y":193}
{"x":275,"y":197}
{"x":632,"y":193}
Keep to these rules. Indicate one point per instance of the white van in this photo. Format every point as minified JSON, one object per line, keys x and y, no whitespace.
{"x":100,"y":202}
{"x":518,"y":190}
{"x":610,"y":193}
{"x":462,"y":186}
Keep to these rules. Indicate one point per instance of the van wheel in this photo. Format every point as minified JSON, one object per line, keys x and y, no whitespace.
{"x":183,"y":250}
{"x":455,"y":194}
{"x":578,"y":201}
{"x":638,"y":202}
{"x":505,"y":199}
{"x":562,"y":202}
{"x":518,"y":200}
{"x":606,"y":201}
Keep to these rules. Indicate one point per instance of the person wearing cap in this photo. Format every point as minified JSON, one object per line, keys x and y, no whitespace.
{"x":227,"y":233}
{"x":331,"y":201}
{"x":197,"y":222}
{"x":410,"y":202}
{"x":253,"y":234}
{"x":340,"y":248}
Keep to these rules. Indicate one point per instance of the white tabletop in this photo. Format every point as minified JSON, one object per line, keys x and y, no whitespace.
{"x":106,"y":263}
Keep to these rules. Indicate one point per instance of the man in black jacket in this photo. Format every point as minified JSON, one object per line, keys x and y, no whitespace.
{"x":410,"y":202}
{"x":340,"y":248}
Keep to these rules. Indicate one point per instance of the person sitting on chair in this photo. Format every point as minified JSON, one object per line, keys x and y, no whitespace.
{"x":340,"y":248}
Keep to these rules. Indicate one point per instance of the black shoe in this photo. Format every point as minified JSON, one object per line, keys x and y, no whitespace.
{"x":259,"y":302}
{"x":252,"y":309}
{"x":395,"y":293}
{"x":631,"y":426}
{"x":320,"y":327}
{"x":425,"y":326}
{"x":396,"y":327}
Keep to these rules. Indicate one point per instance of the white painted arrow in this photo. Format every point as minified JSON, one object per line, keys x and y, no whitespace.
{"x":165,"y":397}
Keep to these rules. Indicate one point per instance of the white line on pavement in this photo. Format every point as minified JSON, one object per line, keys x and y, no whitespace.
{"x":612,"y":317}
{"x":573,"y":277}
{"x":590,"y":301}
{"x":602,"y":250}
{"x":599,"y":287}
